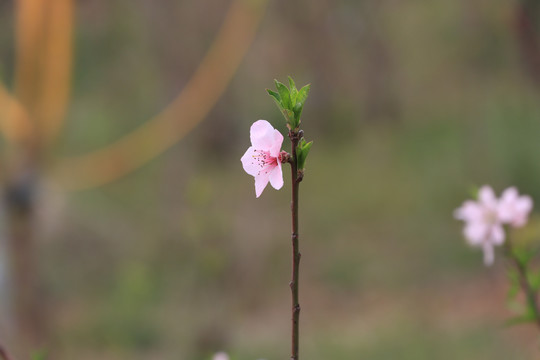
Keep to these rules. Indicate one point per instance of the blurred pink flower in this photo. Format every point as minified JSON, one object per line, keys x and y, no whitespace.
{"x":514,"y":209}
{"x":220,"y":356}
{"x":483,"y":226}
{"x":262,"y":159}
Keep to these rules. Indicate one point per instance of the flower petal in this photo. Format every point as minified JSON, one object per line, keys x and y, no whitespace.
{"x":522,"y":208}
{"x":497,"y":234}
{"x":260,"y":183}
{"x":469,"y":211}
{"x":276,"y":145}
{"x":250,"y":165}
{"x":506,"y":212}
{"x":262,"y":135}
{"x":510,"y":194}
{"x":514,"y":209}
{"x":487,"y":197}
{"x":276,"y":177}
{"x":220,"y":356}
{"x":475,"y":232}
{"x":524,"y":204}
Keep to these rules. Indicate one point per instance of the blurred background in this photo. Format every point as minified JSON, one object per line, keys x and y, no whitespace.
{"x":121,"y":240}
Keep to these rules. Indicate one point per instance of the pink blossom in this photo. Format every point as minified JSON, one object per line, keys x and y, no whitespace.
{"x":262,"y":159}
{"x":220,"y":356}
{"x":514,"y":209}
{"x":483,"y":226}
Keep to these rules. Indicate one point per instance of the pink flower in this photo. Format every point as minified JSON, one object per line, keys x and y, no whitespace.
{"x":483,"y":226}
{"x":514,"y":209}
{"x":262,"y":159}
{"x":220,"y":356}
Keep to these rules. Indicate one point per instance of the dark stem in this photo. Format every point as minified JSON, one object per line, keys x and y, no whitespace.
{"x":294,"y":136}
{"x":530,"y":293}
{"x":28,"y":305}
{"x":4,"y":354}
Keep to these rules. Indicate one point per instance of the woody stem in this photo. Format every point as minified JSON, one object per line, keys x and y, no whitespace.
{"x":293,"y":135}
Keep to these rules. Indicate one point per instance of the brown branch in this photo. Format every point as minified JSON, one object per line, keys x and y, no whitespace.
{"x":293,"y":135}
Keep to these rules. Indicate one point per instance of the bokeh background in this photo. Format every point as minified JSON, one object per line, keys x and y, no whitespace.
{"x":412,"y":104}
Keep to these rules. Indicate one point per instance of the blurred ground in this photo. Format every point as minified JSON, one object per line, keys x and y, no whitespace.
{"x":412,"y":103}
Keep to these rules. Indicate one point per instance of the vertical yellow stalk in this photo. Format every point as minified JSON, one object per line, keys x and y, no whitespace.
{"x":43,"y":68}
{"x":55,"y":69}
{"x":30,"y":16}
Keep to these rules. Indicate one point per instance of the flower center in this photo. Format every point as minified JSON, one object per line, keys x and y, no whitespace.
{"x":264,"y":160}
{"x":490,"y":217}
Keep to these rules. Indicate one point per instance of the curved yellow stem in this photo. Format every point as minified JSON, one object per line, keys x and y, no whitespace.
{"x":182,"y":115}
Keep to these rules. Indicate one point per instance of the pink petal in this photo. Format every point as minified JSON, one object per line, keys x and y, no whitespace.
{"x":506,"y":212}
{"x":276,"y":145}
{"x":260,"y":183}
{"x":262,"y":135}
{"x":510,"y":194}
{"x":248,"y":163}
{"x":469,"y":211}
{"x":524,"y":204}
{"x":220,"y":356}
{"x":514,"y":209}
{"x":497,"y":234}
{"x":522,"y":208}
{"x":487,"y":197}
{"x":475,"y":232}
{"x":276,"y":177}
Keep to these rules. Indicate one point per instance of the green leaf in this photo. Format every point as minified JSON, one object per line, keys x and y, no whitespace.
{"x":303,"y":94}
{"x":293,"y":91}
{"x":276,"y":97}
{"x":289,"y":118}
{"x":300,"y":100}
{"x":290,"y":101}
{"x":302,"y":151}
{"x":292,"y":85}
{"x":285,"y":95}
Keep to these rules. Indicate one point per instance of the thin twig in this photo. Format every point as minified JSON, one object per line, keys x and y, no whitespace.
{"x":294,"y":136}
